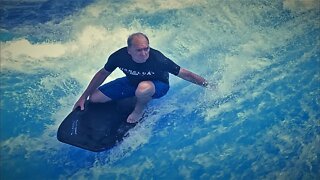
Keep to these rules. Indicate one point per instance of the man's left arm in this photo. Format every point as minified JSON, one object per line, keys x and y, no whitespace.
{"x":192,"y":77}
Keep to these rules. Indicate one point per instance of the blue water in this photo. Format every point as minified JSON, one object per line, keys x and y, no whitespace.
{"x":262,"y":121}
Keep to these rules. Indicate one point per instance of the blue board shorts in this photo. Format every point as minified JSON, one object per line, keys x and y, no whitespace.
{"x":121,"y":88}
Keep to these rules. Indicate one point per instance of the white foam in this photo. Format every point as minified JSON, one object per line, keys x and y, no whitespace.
{"x":301,"y":5}
{"x":37,"y":51}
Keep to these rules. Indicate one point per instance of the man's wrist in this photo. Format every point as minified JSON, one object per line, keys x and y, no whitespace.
{"x":205,"y":84}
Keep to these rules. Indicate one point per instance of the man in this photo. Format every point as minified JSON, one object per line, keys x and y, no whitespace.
{"x":147,"y":76}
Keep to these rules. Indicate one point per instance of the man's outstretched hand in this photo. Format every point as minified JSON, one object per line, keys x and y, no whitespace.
{"x":210,"y":85}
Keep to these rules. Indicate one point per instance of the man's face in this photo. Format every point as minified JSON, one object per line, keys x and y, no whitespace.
{"x":139,"y":50}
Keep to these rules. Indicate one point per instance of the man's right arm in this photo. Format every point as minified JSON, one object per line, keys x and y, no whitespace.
{"x":96,"y":81}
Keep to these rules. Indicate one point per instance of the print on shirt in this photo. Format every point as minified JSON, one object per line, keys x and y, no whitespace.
{"x":137,"y":73}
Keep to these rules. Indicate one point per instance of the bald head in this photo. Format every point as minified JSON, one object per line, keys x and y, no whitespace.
{"x":138,"y":47}
{"x":133,"y":38}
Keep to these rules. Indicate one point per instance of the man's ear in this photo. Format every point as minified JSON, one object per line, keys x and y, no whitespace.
{"x":129,"y":50}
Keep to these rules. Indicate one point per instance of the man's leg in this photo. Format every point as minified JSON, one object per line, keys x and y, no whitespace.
{"x":98,"y":97}
{"x":144,"y":93}
{"x":114,"y":90}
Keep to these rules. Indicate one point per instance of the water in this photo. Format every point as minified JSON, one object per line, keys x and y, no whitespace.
{"x":261,"y":122}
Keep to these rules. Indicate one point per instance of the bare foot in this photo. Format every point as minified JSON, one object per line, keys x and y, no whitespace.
{"x":134,"y":117}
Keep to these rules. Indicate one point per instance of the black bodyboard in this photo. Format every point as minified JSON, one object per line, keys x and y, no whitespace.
{"x":100,"y":126}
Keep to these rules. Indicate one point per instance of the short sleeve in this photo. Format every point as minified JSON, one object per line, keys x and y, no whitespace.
{"x":110,"y":66}
{"x":172,"y":67}
{"x":167,"y":64}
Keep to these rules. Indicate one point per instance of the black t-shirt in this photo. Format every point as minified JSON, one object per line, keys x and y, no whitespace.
{"x":157,"y":66}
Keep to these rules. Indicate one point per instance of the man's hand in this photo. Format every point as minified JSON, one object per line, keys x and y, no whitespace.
{"x":210,"y":85}
{"x":79,"y":103}
{"x":96,"y":81}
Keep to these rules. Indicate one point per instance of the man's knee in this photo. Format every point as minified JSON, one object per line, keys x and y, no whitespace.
{"x":145,"y":89}
{"x":98,"y":97}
